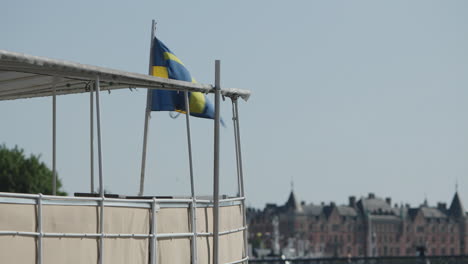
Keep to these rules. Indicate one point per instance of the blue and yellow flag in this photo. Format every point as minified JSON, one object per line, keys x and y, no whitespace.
{"x":167,"y":65}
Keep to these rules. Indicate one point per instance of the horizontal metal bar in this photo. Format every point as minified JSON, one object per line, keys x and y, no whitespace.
{"x":232,"y":199}
{"x":95,"y":235}
{"x":238,"y":261}
{"x":18,"y":233}
{"x":116,"y":202}
{"x":224,"y":232}
{"x":174,"y":235}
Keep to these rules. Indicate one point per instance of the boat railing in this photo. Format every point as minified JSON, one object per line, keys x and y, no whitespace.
{"x":45,"y":218}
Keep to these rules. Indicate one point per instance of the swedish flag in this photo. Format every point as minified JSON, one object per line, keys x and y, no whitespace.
{"x":167,"y":65}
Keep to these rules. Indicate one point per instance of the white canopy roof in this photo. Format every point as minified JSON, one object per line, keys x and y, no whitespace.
{"x":26,"y":76}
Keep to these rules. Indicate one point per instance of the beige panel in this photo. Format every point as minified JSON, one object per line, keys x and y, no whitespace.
{"x":205,"y":250}
{"x":173,"y":220}
{"x":125,"y":251}
{"x":230,"y":217}
{"x":204,"y":220}
{"x":126,"y":220}
{"x":69,"y":219}
{"x":174,"y":251}
{"x":231,"y":247}
{"x":18,"y":217}
{"x":17,"y":249}
{"x":70,"y":250}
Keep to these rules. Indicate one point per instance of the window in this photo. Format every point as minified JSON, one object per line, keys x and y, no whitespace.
{"x":420,"y":229}
{"x":442,"y":251}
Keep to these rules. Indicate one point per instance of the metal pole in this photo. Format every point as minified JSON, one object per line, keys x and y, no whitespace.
{"x":101,"y":186}
{"x":54,"y":137}
{"x":216,"y":165}
{"x":101,"y":231}
{"x":39,"y":229}
{"x":91,"y":137}
{"x":192,"y":183}
{"x":154,"y":241}
{"x":234,"y":121}
{"x":241,"y":177}
{"x":147,"y":114}
{"x":98,"y":119}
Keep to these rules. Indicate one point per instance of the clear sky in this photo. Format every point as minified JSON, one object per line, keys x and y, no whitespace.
{"x":348,"y":97}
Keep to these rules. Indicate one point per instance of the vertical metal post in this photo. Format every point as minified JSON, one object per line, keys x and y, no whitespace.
{"x":216,"y":165}
{"x":241,"y":176}
{"x":193,"y":207}
{"x":101,"y":181}
{"x":39,"y":229}
{"x":98,"y":119}
{"x":147,"y":114}
{"x":101,"y":231}
{"x":154,"y":241}
{"x":234,"y":121}
{"x":91,"y":137}
{"x":54,"y":136}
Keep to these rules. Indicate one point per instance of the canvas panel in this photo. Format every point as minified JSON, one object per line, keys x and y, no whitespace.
{"x":174,"y":251}
{"x":69,"y":219}
{"x":204,"y":220}
{"x":17,"y":249}
{"x":173,"y":220}
{"x":126,"y":250}
{"x":126,"y":220}
{"x":231,"y":248}
{"x":230,"y":217}
{"x":18,"y":217}
{"x":70,"y":250}
{"x":205,"y":250}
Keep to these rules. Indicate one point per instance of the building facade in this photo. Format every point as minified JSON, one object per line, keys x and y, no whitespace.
{"x":368,"y":227}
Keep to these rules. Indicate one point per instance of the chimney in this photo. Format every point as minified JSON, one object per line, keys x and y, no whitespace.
{"x":332,"y":204}
{"x":371,"y":196}
{"x":352,"y":201}
{"x":389,"y":201}
{"x":442,"y":206}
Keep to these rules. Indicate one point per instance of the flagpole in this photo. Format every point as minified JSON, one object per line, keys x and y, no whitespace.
{"x":216,"y":165}
{"x":147,"y":114}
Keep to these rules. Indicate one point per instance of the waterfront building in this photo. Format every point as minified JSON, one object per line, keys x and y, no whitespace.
{"x":368,"y":227}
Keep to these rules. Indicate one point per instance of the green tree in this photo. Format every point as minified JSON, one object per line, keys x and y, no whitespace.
{"x":21,"y":174}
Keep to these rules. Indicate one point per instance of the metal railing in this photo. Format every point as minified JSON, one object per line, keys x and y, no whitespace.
{"x":153,"y":205}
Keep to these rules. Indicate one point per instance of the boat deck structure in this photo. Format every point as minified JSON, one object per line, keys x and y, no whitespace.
{"x":96,"y":228}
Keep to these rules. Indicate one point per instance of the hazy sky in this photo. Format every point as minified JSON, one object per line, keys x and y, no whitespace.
{"x":348,"y":97}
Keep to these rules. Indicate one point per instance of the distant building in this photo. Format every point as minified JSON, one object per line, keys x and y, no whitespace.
{"x":370,"y":227}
